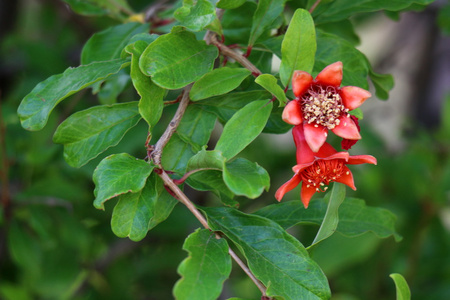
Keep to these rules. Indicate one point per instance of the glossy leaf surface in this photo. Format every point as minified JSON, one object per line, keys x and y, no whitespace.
{"x":87,"y":133}
{"x":206,"y":268}
{"x":276,"y":258}
{"x":36,"y":107}
{"x":243,"y":128}
{"x":195,"y":15}
{"x":151,"y":103}
{"x":355,"y":217}
{"x":176,"y":59}
{"x":136,"y":213}
{"x":269,"y":82}
{"x":218,"y":82}
{"x":246,"y":178}
{"x":266,"y":13}
{"x":299,"y":46}
{"x":119,"y":174}
{"x":109,"y":43}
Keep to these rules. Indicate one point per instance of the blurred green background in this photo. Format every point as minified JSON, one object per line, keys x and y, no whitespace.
{"x":55,"y":245}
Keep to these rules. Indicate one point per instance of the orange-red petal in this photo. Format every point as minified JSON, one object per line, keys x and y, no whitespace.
{"x":347,"y":129}
{"x":361,"y":159}
{"x":289,"y":185}
{"x":331,"y":75}
{"x":347,"y":178}
{"x":301,"y":81}
{"x":306,"y":194}
{"x":315,"y":136}
{"x":353,"y":96}
{"x":292,"y":113}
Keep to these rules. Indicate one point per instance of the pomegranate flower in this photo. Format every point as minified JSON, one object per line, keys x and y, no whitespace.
{"x":317,"y":169}
{"x":321,"y":105}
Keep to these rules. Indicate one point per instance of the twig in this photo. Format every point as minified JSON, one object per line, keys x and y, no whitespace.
{"x":162,"y":142}
{"x":236,"y":56}
{"x":185,"y":200}
{"x":313,"y":7}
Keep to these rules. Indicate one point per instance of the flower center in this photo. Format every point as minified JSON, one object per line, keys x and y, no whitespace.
{"x":322,"y":172}
{"x":322,"y":106}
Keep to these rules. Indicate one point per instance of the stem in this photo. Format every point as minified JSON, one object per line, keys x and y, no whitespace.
{"x":210,"y":38}
{"x":313,"y":7}
{"x":185,"y":200}
{"x":234,"y":55}
{"x":162,"y":142}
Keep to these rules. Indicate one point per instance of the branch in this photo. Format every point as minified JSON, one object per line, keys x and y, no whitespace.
{"x":185,"y":200}
{"x":313,"y":7}
{"x":236,"y":56}
{"x":173,"y":125}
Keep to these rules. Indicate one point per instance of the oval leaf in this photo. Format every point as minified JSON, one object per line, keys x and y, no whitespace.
{"x":229,"y":4}
{"x":88,"y":133}
{"x":206,"y":268}
{"x":119,"y":174}
{"x":299,"y":46}
{"x":246,"y":178}
{"x":355,"y":217}
{"x":243,"y":127}
{"x":136,"y":213}
{"x":176,"y":59}
{"x":151,"y":104}
{"x":270,"y":83}
{"x":217,"y":82}
{"x":276,"y":258}
{"x":37,"y":105}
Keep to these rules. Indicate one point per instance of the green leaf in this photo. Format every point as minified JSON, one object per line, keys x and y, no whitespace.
{"x":341,"y":10}
{"x":111,"y":88}
{"x":176,"y":59}
{"x":229,"y":4}
{"x":237,"y":24}
{"x":401,"y":286}
{"x":119,"y":174}
{"x":217,"y":82}
{"x":136,"y":213}
{"x":212,"y":180}
{"x":443,"y":19}
{"x":243,"y":128}
{"x":86,"y":7}
{"x":246,"y":178}
{"x":196,"y":126}
{"x":357,"y":112}
{"x":335,"y":197}
{"x":270,"y":83}
{"x":265,"y":15}
{"x":151,"y":104}
{"x":195,"y":15}
{"x":276,"y":258}
{"x":36,"y":107}
{"x":108,"y":44}
{"x":206,"y":159}
{"x":226,"y":106}
{"x":383,"y":84}
{"x":205,"y":270}
{"x":355,"y":217}
{"x":343,"y":28}
{"x":275,"y":124}
{"x":192,"y":134}
{"x":331,"y":48}
{"x":298,"y":47}
{"x":88,"y":133}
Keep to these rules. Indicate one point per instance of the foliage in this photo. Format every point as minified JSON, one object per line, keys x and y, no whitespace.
{"x":160,"y":108}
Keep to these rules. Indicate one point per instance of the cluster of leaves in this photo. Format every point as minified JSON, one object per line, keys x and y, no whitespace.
{"x":174,"y":57}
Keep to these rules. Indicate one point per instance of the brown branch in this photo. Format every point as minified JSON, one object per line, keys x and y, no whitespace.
{"x":236,"y":56}
{"x":185,"y":200}
{"x":173,"y":125}
{"x":313,"y":7}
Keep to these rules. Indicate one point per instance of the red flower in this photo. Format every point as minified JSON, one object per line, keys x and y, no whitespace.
{"x":315,"y":170}
{"x":348,"y":144}
{"x":321,"y":105}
